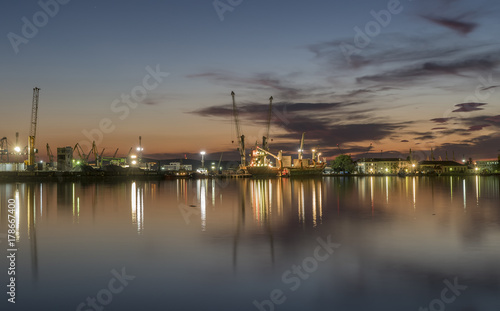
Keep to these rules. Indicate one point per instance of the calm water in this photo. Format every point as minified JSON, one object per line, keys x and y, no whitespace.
{"x":397,"y":244}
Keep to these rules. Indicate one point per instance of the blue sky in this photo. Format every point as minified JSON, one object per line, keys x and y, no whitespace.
{"x":428,"y":77}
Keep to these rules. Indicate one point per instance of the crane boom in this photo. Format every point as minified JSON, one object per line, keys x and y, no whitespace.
{"x":241,"y":138}
{"x":32,"y":136}
{"x":265,"y":139}
{"x":220,"y":160}
{"x":277,"y":157}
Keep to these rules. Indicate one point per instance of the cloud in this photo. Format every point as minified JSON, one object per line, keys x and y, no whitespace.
{"x":478,"y":127}
{"x":482,"y":147}
{"x":453,"y":24}
{"x":441,"y":120}
{"x":281,"y":87}
{"x":425,"y":137}
{"x":431,"y":69}
{"x":495,"y":119}
{"x":256,"y":111}
{"x":489,"y":87}
{"x":405,"y":141}
{"x":438,"y":128}
{"x":467,"y":107}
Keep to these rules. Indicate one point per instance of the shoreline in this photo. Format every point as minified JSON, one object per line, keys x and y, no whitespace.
{"x":58,"y":176}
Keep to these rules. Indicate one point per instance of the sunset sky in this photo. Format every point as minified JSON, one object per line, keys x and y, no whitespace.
{"x":404,"y":74}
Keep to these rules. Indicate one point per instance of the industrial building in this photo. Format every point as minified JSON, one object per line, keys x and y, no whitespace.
{"x":64,"y":159}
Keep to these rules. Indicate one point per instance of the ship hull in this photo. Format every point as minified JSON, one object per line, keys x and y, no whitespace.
{"x":311,"y":171}
{"x":263,"y":171}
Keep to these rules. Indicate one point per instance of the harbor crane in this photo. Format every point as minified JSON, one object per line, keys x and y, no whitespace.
{"x":80,"y":152}
{"x":100,"y":157}
{"x":265,"y":139}
{"x":93,"y":150}
{"x":32,"y":136}
{"x":114,"y":155}
{"x":301,"y":149}
{"x":241,"y":138}
{"x":50,"y":155}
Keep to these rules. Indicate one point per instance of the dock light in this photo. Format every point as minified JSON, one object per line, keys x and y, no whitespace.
{"x":386,"y":169}
{"x":134,"y":162}
{"x":17,"y":149}
{"x":477,"y":168}
{"x":78,"y":162}
{"x":413,"y":165}
{"x":139,"y":149}
{"x":133,"y":156}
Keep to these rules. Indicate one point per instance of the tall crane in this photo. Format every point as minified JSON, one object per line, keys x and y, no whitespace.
{"x":31,"y":139}
{"x":265,"y":139}
{"x":50,"y":155}
{"x":301,"y":149}
{"x":241,"y":138}
{"x":100,"y":158}
{"x":93,"y":150}
{"x":81,"y":154}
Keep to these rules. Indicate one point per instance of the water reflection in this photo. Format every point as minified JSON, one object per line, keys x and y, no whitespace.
{"x":245,"y":233}
{"x":137,"y":204}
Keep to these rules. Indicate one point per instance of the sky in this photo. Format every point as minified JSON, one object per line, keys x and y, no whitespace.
{"x":367,"y":78}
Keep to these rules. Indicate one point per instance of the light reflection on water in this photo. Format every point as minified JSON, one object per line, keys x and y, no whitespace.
{"x":230,"y":240}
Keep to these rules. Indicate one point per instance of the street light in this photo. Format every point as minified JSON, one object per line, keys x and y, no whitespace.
{"x":17,"y":149}
{"x":203,"y":159}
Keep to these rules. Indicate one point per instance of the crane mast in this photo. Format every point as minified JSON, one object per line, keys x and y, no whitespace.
{"x":32,"y":136}
{"x":265,"y":139}
{"x":241,"y":138}
{"x":301,"y":149}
